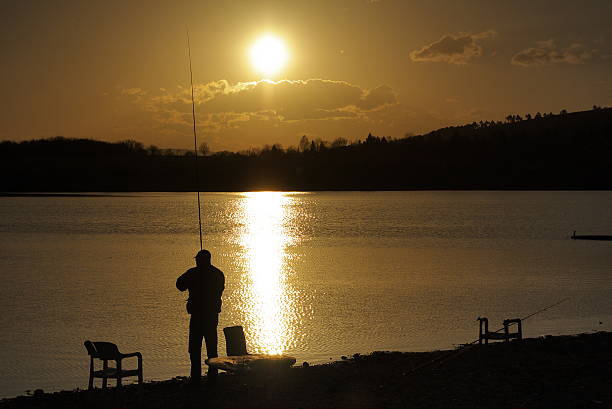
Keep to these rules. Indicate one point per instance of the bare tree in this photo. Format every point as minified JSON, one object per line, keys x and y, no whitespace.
{"x":321,"y":144}
{"x":203,"y":149}
{"x":153,"y":150}
{"x":133,"y":145}
{"x":304,"y":143}
{"x":339,"y":142}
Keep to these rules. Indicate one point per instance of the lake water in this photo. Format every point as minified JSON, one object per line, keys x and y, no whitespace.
{"x":313,"y":275}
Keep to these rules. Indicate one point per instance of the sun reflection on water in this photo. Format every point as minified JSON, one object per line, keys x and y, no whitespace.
{"x":267,"y":303}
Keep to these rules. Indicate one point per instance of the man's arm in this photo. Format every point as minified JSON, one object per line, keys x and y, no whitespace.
{"x":219,"y":286}
{"x":182,"y":283}
{"x":220,"y":283}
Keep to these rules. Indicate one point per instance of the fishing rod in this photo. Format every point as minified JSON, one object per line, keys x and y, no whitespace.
{"x":195,"y":140}
{"x":526,"y":317}
{"x":544,"y":309}
{"x":466,"y":347}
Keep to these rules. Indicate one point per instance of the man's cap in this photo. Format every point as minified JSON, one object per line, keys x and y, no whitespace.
{"x":203,"y":254}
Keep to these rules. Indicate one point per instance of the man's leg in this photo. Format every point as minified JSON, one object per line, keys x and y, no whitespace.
{"x":195,"y":349}
{"x":210,"y":336}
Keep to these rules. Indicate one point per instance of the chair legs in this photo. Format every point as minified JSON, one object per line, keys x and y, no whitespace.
{"x":106,"y":351}
{"x":118,"y":362}
{"x":104,"y":368}
{"x":91,"y":373}
{"x":116,"y":373}
{"x":140,"y":369}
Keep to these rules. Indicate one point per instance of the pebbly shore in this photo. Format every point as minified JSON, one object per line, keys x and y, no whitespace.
{"x":548,"y":372}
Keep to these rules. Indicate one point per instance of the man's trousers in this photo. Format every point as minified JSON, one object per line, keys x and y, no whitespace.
{"x":202,"y":326}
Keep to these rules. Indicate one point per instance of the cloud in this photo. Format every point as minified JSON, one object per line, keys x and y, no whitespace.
{"x":377,"y":98}
{"x":223,"y":105}
{"x":547,"y":52}
{"x":454,"y":49}
{"x":137,"y":94}
{"x":291,"y":100}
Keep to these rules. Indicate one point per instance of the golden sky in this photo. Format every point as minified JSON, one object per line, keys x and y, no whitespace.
{"x":115,"y":70}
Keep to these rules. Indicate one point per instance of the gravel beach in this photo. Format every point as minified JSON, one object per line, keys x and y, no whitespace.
{"x":548,"y":372}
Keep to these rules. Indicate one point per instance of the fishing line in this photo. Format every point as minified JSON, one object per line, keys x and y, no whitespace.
{"x":544,"y":309}
{"x":466,"y":347}
{"x":195,"y":140}
{"x":533,"y":314}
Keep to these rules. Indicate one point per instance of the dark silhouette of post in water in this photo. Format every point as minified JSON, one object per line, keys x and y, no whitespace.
{"x":205,"y":283}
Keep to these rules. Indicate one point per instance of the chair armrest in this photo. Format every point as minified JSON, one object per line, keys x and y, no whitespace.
{"x":133,"y":354}
{"x":138,"y":354}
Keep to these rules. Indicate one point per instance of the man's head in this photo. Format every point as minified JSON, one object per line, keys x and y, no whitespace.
{"x":203,"y":258}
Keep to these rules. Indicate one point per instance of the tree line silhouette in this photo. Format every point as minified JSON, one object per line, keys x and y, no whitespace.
{"x":546,"y":151}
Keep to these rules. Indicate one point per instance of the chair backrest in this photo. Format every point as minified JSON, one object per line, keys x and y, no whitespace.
{"x":91,"y":349}
{"x":106,"y":350}
{"x":235,"y":343}
{"x":483,"y":323}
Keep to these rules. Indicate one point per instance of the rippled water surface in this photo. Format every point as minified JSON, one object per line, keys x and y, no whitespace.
{"x":313,"y":275}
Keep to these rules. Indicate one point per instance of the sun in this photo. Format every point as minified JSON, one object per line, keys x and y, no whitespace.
{"x":268,"y":55}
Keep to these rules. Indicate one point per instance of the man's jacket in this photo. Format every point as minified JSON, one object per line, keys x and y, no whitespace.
{"x":205,"y":285}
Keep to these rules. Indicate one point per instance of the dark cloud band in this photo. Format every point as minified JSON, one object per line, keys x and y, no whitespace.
{"x":222,"y":104}
{"x":547,"y":52}
{"x":454,"y":49}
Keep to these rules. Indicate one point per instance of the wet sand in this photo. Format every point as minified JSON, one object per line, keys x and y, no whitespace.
{"x":548,"y":372}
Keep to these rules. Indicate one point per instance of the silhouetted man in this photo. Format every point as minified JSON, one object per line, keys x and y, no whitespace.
{"x":205,"y":283}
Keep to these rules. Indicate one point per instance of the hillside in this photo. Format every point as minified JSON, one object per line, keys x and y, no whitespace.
{"x":565,"y":151}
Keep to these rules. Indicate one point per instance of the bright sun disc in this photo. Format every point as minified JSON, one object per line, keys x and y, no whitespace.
{"x":268,"y":55}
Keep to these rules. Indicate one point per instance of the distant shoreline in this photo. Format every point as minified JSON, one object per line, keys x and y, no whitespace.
{"x":569,"y":151}
{"x":133,"y":193}
{"x":51,"y":194}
